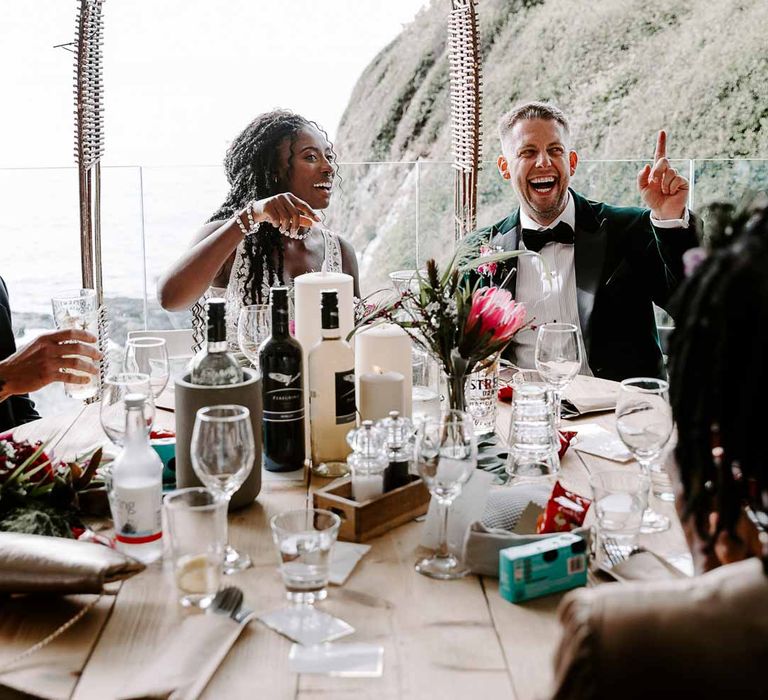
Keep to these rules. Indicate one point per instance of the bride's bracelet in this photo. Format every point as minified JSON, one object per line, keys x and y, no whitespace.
{"x":252,"y":225}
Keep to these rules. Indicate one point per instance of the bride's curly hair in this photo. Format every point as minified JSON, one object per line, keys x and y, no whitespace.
{"x":719,"y":376}
{"x":252,"y":167}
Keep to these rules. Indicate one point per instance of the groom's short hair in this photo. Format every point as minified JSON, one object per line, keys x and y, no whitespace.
{"x":532,"y":110}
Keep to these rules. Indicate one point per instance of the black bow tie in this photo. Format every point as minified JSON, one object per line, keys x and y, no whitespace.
{"x":536,"y":240}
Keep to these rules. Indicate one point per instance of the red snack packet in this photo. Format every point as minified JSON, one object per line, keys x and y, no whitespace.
{"x":505,"y":394}
{"x":161,"y":434}
{"x":565,"y":440}
{"x":565,"y":511}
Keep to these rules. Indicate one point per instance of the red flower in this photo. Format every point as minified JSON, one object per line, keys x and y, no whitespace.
{"x":494,"y":311}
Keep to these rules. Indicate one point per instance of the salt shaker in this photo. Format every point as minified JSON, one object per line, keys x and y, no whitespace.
{"x":398,"y":432}
{"x":367,"y":461}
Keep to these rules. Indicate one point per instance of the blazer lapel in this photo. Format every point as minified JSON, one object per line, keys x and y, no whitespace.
{"x":589,"y":255}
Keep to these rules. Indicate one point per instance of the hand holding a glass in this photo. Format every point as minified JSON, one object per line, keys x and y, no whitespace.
{"x":51,"y":357}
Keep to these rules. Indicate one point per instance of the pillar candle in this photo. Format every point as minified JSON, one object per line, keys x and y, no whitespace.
{"x":306,"y":303}
{"x":380,"y":393}
{"x":386,"y":347}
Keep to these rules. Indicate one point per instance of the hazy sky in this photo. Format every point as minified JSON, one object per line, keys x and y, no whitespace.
{"x":183,"y":77}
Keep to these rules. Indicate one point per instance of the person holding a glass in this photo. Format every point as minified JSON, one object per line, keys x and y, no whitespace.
{"x":599,"y":268}
{"x":49,"y":358}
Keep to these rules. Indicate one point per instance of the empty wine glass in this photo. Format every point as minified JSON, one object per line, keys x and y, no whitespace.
{"x":148,"y":356}
{"x":644,"y":424}
{"x":253,"y":328}
{"x":112,"y":409}
{"x":558,"y":358}
{"x":222,"y":452}
{"x":446,"y":456}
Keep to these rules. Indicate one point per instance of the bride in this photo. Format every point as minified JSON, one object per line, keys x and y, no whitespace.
{"x":281,"y":170}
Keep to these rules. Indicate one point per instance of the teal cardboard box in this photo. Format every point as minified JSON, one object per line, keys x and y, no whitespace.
{"x":166,"y":449}
{"x":540,"y":568}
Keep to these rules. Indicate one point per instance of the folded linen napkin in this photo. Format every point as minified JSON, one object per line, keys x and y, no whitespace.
{"x":589,"y":395}
{"x":504,"y":509}
{"x":39,"y":564}
{"x":644,"y":565}
{"x":190,"y":656}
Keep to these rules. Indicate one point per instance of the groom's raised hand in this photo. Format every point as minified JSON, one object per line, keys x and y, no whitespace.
{"x":663,"y":189}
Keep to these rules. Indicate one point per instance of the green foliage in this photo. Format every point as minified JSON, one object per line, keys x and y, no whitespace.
{"x":37,"y":519}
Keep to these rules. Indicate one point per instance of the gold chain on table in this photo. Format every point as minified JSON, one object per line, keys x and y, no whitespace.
{"x":53,"y":635}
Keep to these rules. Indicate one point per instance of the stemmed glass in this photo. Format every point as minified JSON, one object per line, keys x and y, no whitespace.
{"x":148,"y":356}
{"x":253,"y":328}
{"x":112,"y":409}
{"x":558,"y":358}
{"x":222,"y":452}
{"x":644,"y":424}
{"x":446,"y":456}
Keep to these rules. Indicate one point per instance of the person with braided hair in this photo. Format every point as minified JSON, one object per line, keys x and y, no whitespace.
{"x":704,"y":637}
{"x":281,"y":170}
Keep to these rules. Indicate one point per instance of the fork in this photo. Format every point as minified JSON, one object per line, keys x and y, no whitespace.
{"x":616,"y":552}
{"x":227,"y":602}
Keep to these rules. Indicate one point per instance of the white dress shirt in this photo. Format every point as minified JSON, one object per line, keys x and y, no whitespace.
{"x":552,"y":298}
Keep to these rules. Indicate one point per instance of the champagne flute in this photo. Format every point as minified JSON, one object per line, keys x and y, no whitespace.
{"x":558,"y":358}
{"x":254,"y":326}
{"x":222,"y":453}
{"x":446,"y":456}
{"x":644,"y":424}
{"x":148,"y":356}
{"x":112,"y":409}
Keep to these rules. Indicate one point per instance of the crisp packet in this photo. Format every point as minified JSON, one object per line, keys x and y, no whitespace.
{"x":565,"y":511}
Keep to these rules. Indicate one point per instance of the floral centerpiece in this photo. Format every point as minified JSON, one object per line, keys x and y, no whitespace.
{"x":455,"y":316}
{"x":42,"y":496}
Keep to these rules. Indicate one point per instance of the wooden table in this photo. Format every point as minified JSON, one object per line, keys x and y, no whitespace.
{"x":441,"y":639}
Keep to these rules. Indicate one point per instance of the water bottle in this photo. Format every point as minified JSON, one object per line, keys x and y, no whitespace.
{"x":136,"y":488}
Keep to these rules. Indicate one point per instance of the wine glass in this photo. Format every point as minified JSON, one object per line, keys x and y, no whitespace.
{"x":446,"y":456}
{"x":558,"y":358}
{"x":148,"y":356}
{"x":644,"y":424}
{"x":253,"y":328}
{"x":112,"y":409}
{"x":222,"y":452}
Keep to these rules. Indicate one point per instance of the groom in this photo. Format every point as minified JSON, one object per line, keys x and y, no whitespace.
{"x":604,"y":265}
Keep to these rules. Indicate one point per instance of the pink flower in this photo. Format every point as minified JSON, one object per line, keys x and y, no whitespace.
{"x":494,"y":311}
{"x":487,"y":268}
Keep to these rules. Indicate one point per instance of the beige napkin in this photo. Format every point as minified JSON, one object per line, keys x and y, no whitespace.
{"x":590,"y":394}
{"x":39,"y":564}
{"x":645,"y":566}
{"x":187,"y":660}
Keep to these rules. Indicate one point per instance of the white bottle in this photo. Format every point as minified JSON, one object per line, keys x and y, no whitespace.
{"x":136,"y":489}
{"x":331,"y":392}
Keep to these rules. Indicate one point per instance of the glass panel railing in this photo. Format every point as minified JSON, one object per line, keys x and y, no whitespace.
{"x":728,"y":180}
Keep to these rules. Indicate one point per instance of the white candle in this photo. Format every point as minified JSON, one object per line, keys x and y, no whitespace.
{"x":385,"y":347}
{"x":380,"y":393}
{"x":367,"y":486}
{"x":306,"y":302}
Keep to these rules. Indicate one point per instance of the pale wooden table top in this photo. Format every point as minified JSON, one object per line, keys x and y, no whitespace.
{"x":441,"y":639}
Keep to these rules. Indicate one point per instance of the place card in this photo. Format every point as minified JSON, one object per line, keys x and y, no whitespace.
{"x":344,"y":660}
{"x":306,"y":625}
{"x":344,"y":558}
{"x":600,"y":442}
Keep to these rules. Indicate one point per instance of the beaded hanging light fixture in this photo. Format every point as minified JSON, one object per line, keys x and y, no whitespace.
{"x":466,"y":84}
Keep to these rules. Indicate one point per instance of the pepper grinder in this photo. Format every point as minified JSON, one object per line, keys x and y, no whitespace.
{"x":399,"y":432}
{"x":367,"y":461}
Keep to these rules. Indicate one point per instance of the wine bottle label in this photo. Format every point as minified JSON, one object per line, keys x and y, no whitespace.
{"x":136,"y":511}
{"x":345,"y":397}
{"x":283,"y":397}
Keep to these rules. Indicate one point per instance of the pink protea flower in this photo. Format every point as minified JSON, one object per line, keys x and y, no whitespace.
{"x":494,"y":311}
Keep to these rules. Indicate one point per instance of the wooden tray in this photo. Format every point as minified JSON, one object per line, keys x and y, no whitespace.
{"x":363,"y":521}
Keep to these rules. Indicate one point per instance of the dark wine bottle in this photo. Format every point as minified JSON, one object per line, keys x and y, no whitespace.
{"x":280,"y":359}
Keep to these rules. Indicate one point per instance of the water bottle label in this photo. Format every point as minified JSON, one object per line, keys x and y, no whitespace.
{"x":345,"y":397}
{"x":136,"y":512}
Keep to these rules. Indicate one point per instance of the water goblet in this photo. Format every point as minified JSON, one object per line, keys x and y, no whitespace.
{"x":112,"y":408}
{"x":78,"y":310}
{"x":446,"y":456}
{"x":558,"y":358}
{"x":148,"y":356}
{"x":253,"y":328}
{"x":222,"y":452}
{"x":644,"y":424}
{"x":304,"y":540}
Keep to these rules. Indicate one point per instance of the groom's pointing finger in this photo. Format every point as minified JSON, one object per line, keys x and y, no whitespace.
{"x":661,"y":146}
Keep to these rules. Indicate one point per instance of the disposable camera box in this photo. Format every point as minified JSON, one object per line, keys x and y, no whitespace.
{"x":531,"y":570}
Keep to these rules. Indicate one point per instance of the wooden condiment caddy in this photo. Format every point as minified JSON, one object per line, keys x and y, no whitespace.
{"x":363,"y":521}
